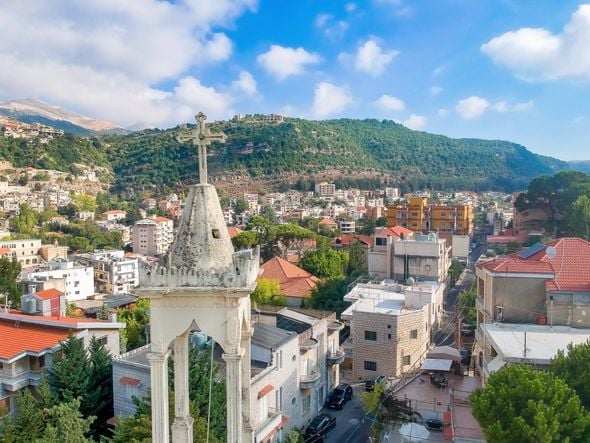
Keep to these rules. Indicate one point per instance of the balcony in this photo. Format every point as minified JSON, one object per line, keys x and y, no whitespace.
{"x":335,"y":325}
{"x":336,"y":357}
{"x":268,"y":424}
{"x":310,"y":379}
{"x":310,"y":343}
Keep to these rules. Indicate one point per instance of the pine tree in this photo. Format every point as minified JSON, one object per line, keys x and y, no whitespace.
{"x":66,"y":424}
{"x":69,"y":374}
{"x":98,"y":401}
{"x":28,"y":424}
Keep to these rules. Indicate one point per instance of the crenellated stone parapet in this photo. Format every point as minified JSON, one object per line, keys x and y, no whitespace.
{"x":243,"y":275}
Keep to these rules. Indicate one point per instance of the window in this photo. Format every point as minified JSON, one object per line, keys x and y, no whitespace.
{"x":293,"y":401}
{"x":131,"y":391}
{"x":102,"y":340}
{"x":263,"y":407}
{"x":371,"y":335}
{"x":414,"y":333}
{"x":388,"y":326}
{"x":405,"y":360}
{"x":306,"y":404}
{"x":389,"y":336}
{"x":370,"y":365}
{"x":381,"y":241}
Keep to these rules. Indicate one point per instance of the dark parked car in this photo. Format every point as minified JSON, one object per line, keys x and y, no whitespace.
{"x":370,"y":384}
{"x":465,"y":356}
{"x":339,"y":396}
{"x":434,"y":424}
{"x":468,"y":330}
{"x":319,"y":427}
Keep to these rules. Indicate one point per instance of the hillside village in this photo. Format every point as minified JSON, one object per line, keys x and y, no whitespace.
{"x":398,"y":316}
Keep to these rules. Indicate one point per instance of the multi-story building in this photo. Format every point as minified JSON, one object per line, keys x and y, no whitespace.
{"x":391,"y":326}
{"x":347,"y":226}
{"x":113,"y":272}
{"x":419,"y":216}
{"x":543,"y":285}
{"x":114,"y":215}
{"x":26,"y":252}
{"x":79,"y":280}
{"x":26,"y":349}
{"x":325,"y":190}
{"x":152,"y":236}
{"x":295,"y":358}
{"x":425,"y":257}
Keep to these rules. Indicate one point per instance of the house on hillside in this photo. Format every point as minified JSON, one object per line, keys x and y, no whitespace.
{"x":296,"y":283}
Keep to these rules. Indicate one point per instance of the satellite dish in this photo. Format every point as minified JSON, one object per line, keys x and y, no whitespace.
{"x":551,"y":252}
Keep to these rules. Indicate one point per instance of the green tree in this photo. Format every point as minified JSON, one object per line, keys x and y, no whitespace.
{"x":84,"y":202}
{"x":325,"y":263}
{"x":80,"y":244}
{"x":455,"y":271}
{"x":522,"y":404}
{"x":246,"y":240}
{"x":69,"y":374}
{"x":574,"y":369}
{"x":268,"y":213}
{"x":66,"y":424}
{"x":99,"y":397}
{"x":9,"y":272}
{"x":294,"y":436}
{"x":240,"y":206}
{"x":25,"y":222}
{"x":290,"y":237}
{"x":28,"y":424}
{"x":467,"y":304}
{"x":579,"y":217}
{"x":370,"y":401}
{"x":268,"y":292}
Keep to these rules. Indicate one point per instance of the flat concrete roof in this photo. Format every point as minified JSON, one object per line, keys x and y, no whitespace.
{"x":389,"y":305}
{"x":542,"y":341}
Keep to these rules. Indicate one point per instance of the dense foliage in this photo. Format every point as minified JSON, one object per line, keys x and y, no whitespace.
{"x":573,"y":367}
{"x":354,"y":150}
{"x":520,"y":403}
{"x":62,"y":153}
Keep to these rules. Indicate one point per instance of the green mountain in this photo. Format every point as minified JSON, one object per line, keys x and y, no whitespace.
{"x":353,"y":152}
{"x":580,"y":165}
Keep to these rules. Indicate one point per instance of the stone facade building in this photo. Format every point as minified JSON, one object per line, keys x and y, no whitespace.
{"x":113,"y":272}
{"x":152,"y":236}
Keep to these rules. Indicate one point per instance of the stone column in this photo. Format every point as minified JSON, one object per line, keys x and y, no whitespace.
{"x":234,"y":396}
{"x":246,"y":374}
{"x":182,"y":428}
{"x":159,"y":380}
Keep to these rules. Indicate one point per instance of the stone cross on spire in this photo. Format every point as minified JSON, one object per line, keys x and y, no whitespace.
{"x":201,"y":137}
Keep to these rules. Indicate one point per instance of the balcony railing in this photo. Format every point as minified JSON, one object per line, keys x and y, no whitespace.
{"x":310,"y":378}
{"x":268,"y":423}
{"x":310,"y":343}
{"x":335,"y":325}
{"x":336,"y":357}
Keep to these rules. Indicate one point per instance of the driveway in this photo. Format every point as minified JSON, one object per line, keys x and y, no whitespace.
{"x":349,"y":421}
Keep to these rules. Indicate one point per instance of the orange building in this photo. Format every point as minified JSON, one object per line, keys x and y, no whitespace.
{"x":419,"y":216}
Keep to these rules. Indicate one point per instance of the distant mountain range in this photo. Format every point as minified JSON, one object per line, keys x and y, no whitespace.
{"x":34,"y":111}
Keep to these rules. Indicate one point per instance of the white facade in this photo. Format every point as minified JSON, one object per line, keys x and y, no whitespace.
{"x":325,"y":190}
{"x":113,"y":272}
{"x":79,"y":280}
{"x":26,"y":252}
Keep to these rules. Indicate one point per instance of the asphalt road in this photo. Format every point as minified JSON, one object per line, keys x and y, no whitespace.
{"x":351,"y":425}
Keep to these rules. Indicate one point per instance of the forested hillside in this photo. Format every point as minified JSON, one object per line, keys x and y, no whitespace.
{"x":345,"y":149}
{"x":61,"y":153}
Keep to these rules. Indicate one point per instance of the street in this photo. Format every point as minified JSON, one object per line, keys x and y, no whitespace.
{"x":349,"y":421}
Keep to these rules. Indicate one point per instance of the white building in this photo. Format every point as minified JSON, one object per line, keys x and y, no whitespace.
{"x":325,"y":190}
{"x":152,"y":236}
{"x":346,"y":226}
{"x":113,"y":272}
{"x":79,"y":280}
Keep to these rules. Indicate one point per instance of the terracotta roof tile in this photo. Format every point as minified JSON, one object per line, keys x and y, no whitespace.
{"x":25,"y":337}
{"x":48,"y":294}
{"x":161,"y":219}
{"x":294,"y":281}
{"x":570,"y":265}
{"x":233,"y":231}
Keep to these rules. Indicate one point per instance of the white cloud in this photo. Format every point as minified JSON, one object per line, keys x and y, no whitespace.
{"x":440,"y":70}
{"x":332,"y":29}
{"x":283,"y":62}
{"x":503,"y":106}
{"x":245,"y":84}
{"x":390,"y":103}
{"x":578,"y":119}
{"x":330,"y":99}
{"x":350,"y":7}
{"x":435,"y":90}
{"x":472,"y":107}
{"x":415,"y":122}
{"x":524,"y":106}
{"x":105,"y":58}
{"x":370,"y":58}
{"x":442,"y":112}
{"x":538,"y":53}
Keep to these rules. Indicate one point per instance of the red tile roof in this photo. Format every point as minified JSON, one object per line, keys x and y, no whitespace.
{"x":345,"y":240}
{"x":28,"y":338}
{"x":294,"y":281}
{"x":4,"y":251}
{"x":233,"y":231}
{"x":570,"y":265}
{"x":327,"y":222}
{"x":161,"y":219}
{"x":395,"y":231}
{"x":48,"y":294}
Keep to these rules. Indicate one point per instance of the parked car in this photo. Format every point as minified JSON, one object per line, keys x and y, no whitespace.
{"x":434,"y":424}
{"x":319,"y":427}
{"x":339,"y":396}
{"x":465,"y":356}
{"x":468,"y":330}
{"x":370,"y":384}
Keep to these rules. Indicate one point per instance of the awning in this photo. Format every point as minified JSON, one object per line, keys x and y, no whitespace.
{"x":129,"y":381}
{"x":444,"y":352}
{"x":266,"y":390}
{"x":435,"y":364}
{"x":495,"y":365}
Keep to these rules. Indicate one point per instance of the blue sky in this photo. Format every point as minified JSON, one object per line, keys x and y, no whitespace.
{"x":513,"y":70}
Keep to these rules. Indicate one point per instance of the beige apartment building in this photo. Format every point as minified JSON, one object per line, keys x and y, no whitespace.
{"x":391,"y":327}
{"x":152,"y":236}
